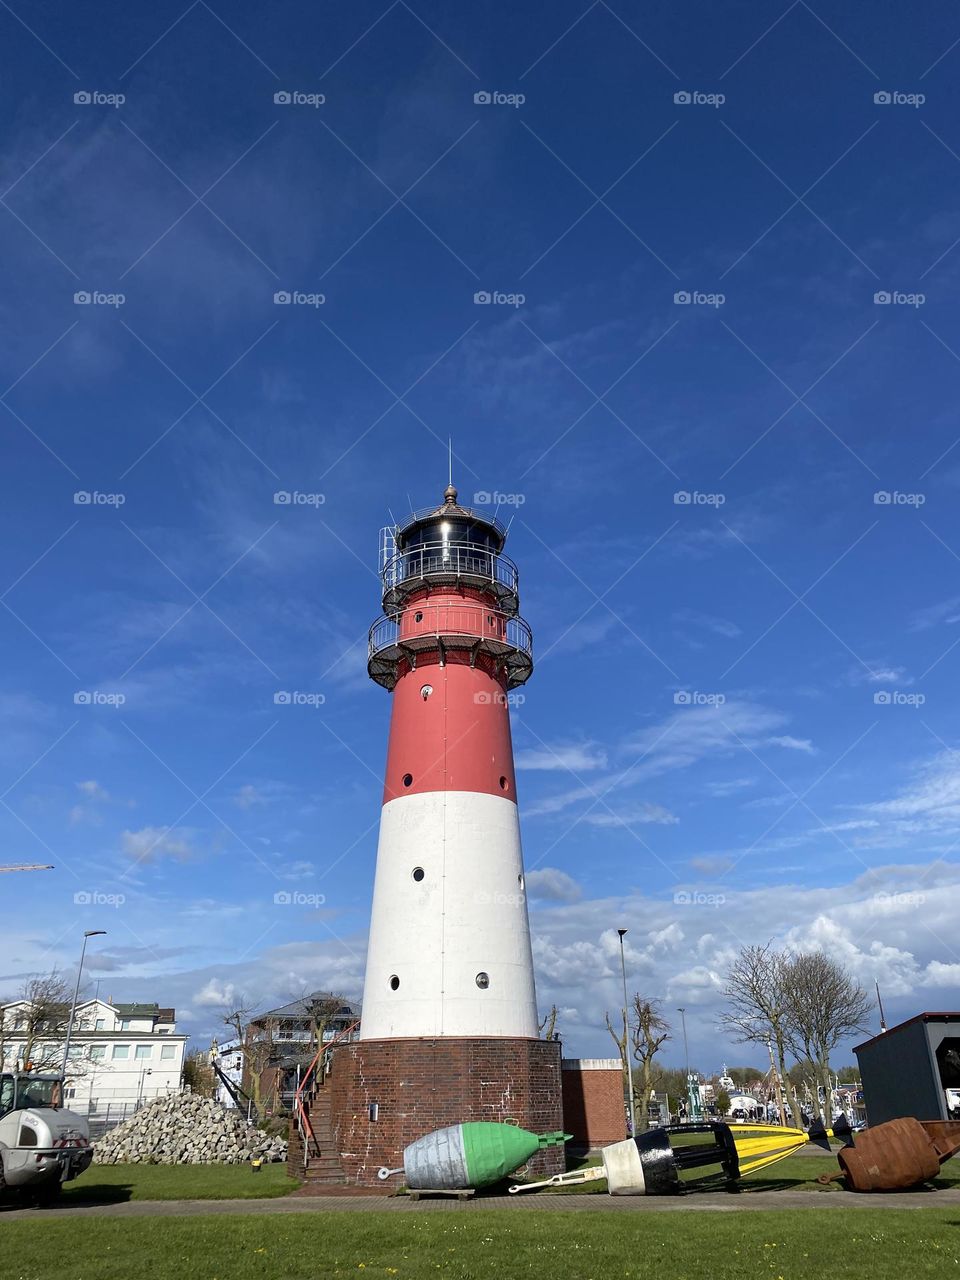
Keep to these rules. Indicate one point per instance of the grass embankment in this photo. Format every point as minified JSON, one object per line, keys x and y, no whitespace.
{"x":110,"y":1183}
{"x":884,"y":1244}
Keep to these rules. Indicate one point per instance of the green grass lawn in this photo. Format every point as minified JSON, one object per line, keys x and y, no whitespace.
{"x":109,"y":1183}
{"x":884,"y":1244}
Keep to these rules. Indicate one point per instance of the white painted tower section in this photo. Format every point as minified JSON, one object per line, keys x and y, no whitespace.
{"x":449,"y":951}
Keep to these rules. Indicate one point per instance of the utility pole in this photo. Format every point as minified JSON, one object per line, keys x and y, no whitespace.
{"x":626,"y":1039}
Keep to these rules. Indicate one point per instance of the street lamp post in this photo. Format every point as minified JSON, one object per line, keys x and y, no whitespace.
{"x":626,"y":1038}
{"x":89,"y":933}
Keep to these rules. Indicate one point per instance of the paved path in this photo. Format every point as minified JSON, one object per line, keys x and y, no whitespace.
{"x":709,"y":1202}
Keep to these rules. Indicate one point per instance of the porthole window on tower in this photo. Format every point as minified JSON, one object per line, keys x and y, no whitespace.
{"x":418,"y":616}
{"x":394,"y":982}
{"x":483,"y":981}
{"x":418,"y":874}
{"x":408,"y":779}
{"x":503,"y":782}
{"x":426,"y":691}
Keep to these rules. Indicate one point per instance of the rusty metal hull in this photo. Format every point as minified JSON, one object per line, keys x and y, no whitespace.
{"x":899,"y":1154}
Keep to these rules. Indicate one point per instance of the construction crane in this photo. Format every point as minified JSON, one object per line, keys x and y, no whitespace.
{"x":30,"y":866}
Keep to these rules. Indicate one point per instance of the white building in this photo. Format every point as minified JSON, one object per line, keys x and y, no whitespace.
{"x":121,"y":1055}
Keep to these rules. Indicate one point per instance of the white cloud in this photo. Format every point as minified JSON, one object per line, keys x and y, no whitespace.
{"x":793,"y":744}
{"x":150,"y":843}
{"x":628,"y":815}
{"x":93,"y":791}
{"x":216,"y":995}
{"x":553,"y":885}
{"x":575,"y":758}
{"x":248,"y":796}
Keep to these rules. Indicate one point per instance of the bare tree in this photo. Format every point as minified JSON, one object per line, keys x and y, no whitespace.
{"x":759,"y":1009}
{"x":827,"y":1005}
{"x":651,"y":1030}
{"x":548,"y":1027}
{"x":256,"y":1043}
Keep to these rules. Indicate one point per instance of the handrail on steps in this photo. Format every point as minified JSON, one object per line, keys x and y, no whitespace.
{"x":304,"y":1126}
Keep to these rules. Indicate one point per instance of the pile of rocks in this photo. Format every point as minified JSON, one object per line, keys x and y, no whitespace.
{"x":181,"y":1128}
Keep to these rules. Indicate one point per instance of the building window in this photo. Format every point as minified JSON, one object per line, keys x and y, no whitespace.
{"x":144,"y":1051}
{"x":98,"y":1052}
{"x":101,"y":1024}
{"x":121,"y":1051}
{"x":168,"y":1051}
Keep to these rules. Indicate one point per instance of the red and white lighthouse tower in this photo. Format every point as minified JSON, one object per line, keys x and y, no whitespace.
{"x":449,"y":1029}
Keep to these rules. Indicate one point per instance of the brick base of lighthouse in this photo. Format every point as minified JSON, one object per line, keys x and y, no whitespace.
{"x":424,"y":1084}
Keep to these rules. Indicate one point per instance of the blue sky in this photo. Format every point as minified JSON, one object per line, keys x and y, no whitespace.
{"x":742,"y":722}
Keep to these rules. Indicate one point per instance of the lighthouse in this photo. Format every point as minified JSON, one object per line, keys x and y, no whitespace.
{"x":449,"y":1032}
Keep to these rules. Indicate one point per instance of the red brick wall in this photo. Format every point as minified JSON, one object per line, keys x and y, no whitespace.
{"x":425,"y":1084}
{"x":593,"y":1105}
